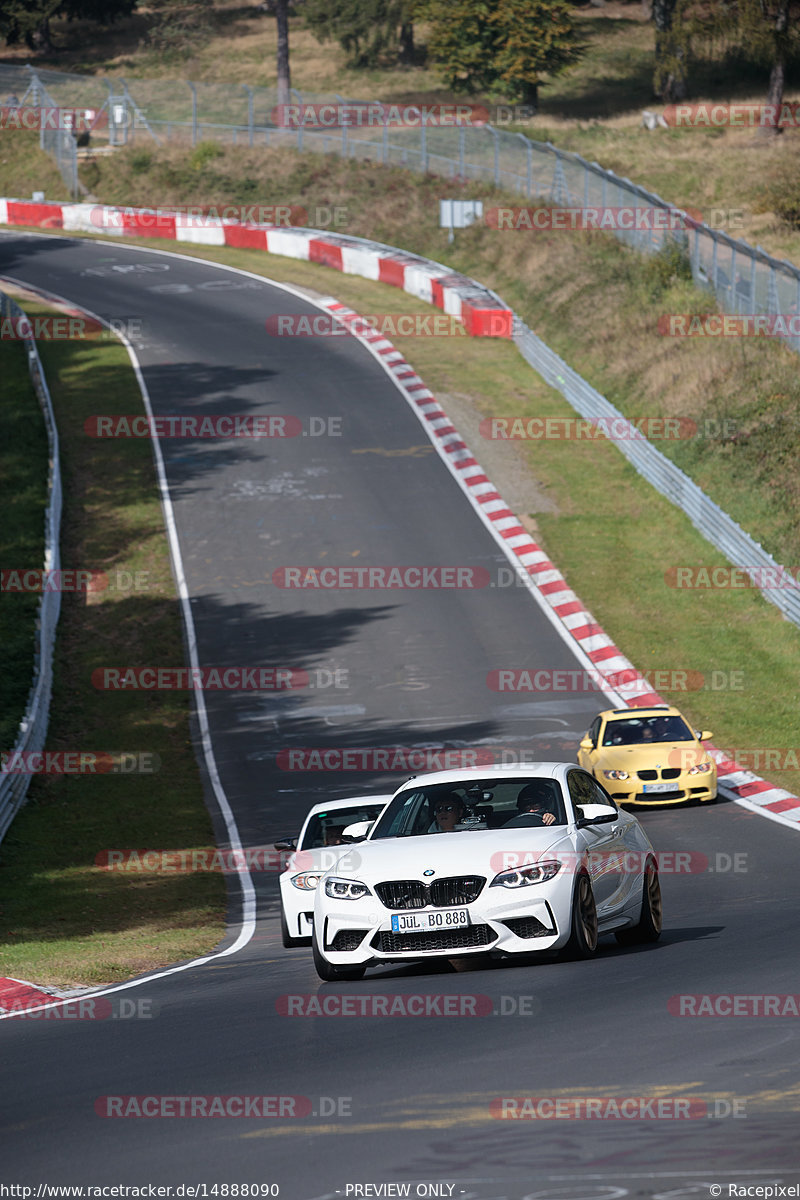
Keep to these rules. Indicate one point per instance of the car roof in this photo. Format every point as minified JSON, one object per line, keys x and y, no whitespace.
{"x":348,"y":802}
{"x":654,"y":710}
{"x":537,"y":770}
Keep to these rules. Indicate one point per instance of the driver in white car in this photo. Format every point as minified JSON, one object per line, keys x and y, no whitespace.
{"x":536,"y":800}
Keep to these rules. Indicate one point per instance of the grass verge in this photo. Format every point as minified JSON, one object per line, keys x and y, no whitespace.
{"x":24,"y":168}
{"x":64,"y":920}
{"x":23,"y":497}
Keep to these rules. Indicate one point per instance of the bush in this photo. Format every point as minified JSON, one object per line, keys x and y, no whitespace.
{"x":140,"y":162}
{"x":669,"y":266}
{"x":179,"y":28}
{"x":781,"y":194}
{"x":203,"y":154}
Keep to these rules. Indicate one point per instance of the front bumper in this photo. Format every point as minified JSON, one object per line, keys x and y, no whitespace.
{"x":498,"y":924}
{"x":694,"y":788}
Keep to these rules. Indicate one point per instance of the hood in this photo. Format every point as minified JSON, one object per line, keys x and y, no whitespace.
{"x":461,"y":853}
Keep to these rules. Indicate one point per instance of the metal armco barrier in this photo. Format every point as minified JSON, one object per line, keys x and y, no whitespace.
{"x":33,"y":727}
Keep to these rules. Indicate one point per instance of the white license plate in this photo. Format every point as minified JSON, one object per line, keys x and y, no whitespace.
{"x":418,"y":922}
{"x":660,"y":787}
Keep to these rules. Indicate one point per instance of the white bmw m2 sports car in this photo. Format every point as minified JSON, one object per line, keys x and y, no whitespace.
{"x":490,"y":860}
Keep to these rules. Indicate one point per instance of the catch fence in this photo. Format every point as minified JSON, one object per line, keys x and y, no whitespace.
{"x":744,"y":279}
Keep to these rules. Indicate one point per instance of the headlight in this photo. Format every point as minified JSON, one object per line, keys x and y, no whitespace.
{"x":616,"y":774}
{"x":525,"y":876}
{"x":308,"y":881}
{"x":701,"y":768}
{"x":345,"y":889}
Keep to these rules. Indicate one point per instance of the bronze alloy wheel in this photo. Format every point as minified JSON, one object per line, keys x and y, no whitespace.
{"x":583,"y":936}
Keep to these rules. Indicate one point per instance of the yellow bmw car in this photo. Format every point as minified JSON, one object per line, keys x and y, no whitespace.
{"x":649,"y":756}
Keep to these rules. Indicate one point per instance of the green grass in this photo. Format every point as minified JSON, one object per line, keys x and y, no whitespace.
{"x":63,"y":919}
{"x":23,"y":498}
{"x":25,"y":169}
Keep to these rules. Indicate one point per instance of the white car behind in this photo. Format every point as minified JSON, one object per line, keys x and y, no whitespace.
{"x":314,"y":851}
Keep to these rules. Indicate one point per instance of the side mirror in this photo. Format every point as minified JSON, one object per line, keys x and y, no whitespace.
{"x":587,"y":744}
{"x":288,"y":843}
{"x":704,"y":736}
{"x":357,"y":832}
{"x":595,"y":814}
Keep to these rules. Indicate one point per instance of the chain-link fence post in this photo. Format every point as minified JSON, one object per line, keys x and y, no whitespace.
{"x":250,"y":112}
{"x":194,"y":112}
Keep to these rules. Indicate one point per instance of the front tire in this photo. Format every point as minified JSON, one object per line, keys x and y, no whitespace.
{"x":648,"y":927}
{"x":583,"y":921}
{"x":329,"y":972}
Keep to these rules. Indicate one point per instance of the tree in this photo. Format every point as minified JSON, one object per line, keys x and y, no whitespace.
{"x":669,"y":78}
{"x":284,"y":74}
{"x":369,"y":31}
{"x":29,"y":20}
{"x":769,"y":28}
{"x":763,"y":32}
{"x":537,"y":38}
{"x":504,"y":46}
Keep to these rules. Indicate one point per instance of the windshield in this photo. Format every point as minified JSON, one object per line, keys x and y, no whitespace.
{"x":634,"y":731}
{"x":472,"y":805}
{"x":326,"y":828}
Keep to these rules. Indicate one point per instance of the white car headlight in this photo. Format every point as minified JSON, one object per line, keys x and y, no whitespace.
{"x":701,"y":768}
{"x":307,"y":881}
{"x":616,"y":774}
{"x":525,"y":876}
{"x":345,"y":889}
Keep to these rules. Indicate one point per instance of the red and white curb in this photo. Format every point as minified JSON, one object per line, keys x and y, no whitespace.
{"x":18,"y":996}
{"x":483,"y":314}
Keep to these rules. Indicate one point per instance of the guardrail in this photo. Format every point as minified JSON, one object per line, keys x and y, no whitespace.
{"x":706,"y":516}
{"x":33,"y":727}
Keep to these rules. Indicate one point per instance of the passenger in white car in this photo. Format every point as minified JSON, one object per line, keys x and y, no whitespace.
{"x":449,"y":810}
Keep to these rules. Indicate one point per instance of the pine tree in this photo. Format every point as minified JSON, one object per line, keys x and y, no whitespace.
{"x":369,"y":31}
{"x":29,"y":20}
{"x":501,"y":46}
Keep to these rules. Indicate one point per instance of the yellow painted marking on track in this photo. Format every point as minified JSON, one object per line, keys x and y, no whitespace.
{"x":436,"y":1112}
